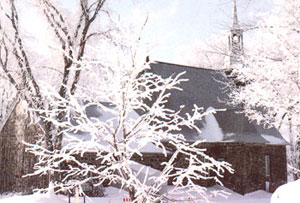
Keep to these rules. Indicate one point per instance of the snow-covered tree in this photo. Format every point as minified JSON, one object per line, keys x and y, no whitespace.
{"x":114,"y":134}
{"x":28,"y":58}
{"x":209,"y":54}
{"x":270,"y":72}
{"x":61,"y":77}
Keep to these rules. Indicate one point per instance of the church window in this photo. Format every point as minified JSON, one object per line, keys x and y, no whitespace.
{"x":267,"y":165}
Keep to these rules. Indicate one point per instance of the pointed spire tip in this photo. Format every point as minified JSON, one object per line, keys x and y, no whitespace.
{"x":235,"y":23}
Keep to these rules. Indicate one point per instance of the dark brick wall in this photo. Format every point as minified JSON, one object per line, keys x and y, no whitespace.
{"x":152,"y":159}
{"x":233,"y":153}
{"x":248,"y":161}
{"x":254,"y":168}
{"x":278,"y":166}
{"x":14,"y":161}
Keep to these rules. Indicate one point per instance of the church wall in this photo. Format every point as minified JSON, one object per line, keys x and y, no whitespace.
{"x":14,"y":161}
{"x":254,"y":165}
{"x":248,"y":161}
{"x":8,"y":149}
{"x":278,"y":166}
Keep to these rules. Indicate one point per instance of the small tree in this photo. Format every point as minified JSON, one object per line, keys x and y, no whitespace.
{"x":120,"y":78}
{"x":270,"y":71}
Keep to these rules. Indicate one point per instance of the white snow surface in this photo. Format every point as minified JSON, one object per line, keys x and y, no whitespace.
{"x":144,"y":169}
{"x":105,"y":116}
{"x":144,"y":172}
{"x":211,"y":132}
{"x":273,"y":140}
{"x":285,"y":132}
{"x":114,"y":195}
{"x":151,"y":148}
{"x":287,"y":193}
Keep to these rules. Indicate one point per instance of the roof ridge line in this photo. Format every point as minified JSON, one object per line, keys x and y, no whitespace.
{"x":186,"y":66}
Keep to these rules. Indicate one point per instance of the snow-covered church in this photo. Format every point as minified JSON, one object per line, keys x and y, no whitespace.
{"x":257,"y":155}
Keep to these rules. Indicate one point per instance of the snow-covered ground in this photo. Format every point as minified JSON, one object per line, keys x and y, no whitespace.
{"x":287,"y":193}
{"x":114,"y":195}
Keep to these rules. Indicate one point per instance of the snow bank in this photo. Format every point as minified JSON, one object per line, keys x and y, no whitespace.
{"x":112,"y":195}
{"x":211,"y":131}
{"x":115,"y":195}
{"x":287,"y":193}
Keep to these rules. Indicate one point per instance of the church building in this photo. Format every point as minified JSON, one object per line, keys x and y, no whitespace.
{"x":257,"y":155}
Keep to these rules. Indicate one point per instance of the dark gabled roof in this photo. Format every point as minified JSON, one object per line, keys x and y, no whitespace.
{"x":208,"y":88}
{"x":204,"y":86}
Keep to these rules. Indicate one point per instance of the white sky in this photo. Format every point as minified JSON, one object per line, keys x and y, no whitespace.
{"x":174,"y":24}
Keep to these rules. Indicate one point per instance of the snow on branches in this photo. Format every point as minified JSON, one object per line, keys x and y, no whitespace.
{"x":100,"y":120}
{"x":270,"y":71}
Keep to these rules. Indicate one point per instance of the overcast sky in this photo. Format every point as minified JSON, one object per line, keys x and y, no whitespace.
{"x":174,"y":24}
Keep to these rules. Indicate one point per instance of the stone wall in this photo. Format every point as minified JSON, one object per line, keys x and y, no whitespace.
{"x":233,"y":153}
{"x":248,"y":161}
{"x":153,"y":160}
{"x":15,"y":162}
{"x":278,"y":166}
{"x":254,"y":168}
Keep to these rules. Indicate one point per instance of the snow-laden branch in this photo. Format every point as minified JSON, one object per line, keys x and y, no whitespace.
{"x":270,"y":72}
{"x":100,"y":122}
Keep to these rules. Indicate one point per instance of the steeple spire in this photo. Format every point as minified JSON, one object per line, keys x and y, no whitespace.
{"x":235,"y":39}
{"x":235,"y":22}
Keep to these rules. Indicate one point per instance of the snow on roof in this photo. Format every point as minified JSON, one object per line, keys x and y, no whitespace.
{"x":207,"y":88}
{"x":211,"y":132}
{"x":145,"y":170}
{"x":95,"y":112}
{"x":285,"y":132}
{"x":274,"y":140}
{"x":151,"y":148}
